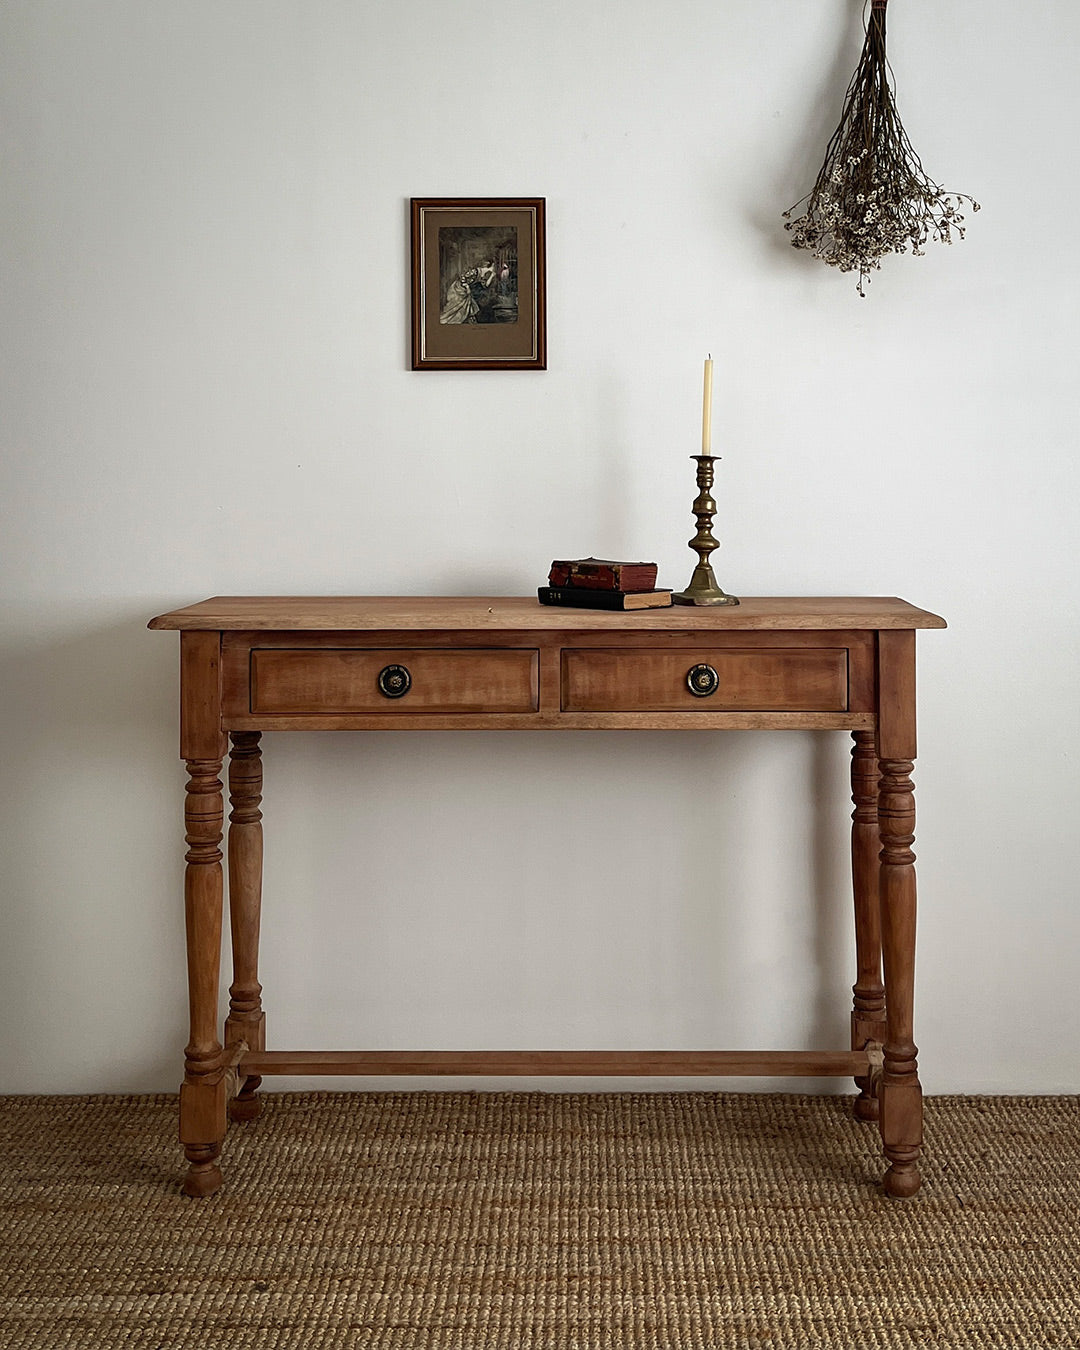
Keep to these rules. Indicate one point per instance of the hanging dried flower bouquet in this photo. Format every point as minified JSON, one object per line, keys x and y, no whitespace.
{"x":872,"y":196}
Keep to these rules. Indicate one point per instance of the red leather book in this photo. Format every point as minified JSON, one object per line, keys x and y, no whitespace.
{"x":601,"y":574}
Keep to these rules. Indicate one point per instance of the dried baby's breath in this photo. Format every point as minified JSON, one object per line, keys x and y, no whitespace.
{"x":872,"y":196}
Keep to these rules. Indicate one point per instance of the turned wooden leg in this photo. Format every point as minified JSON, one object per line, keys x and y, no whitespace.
{"x":901,"y":1093}
{"x":202,"y":1095}
{"x":246,"y":1019}
{"x":868,"y":1011}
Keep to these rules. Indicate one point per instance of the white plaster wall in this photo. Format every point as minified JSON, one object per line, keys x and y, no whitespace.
{"x":205,"y":390}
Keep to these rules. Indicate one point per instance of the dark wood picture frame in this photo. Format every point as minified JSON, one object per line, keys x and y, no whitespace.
{"x":479,"y":283}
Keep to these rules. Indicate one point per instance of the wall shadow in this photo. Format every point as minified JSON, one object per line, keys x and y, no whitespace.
{"x":791,"y":174}
{"x":91,"y":824}
{"x":93,"y":995}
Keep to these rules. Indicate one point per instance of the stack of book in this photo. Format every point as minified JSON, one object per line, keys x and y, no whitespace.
{"x":599,"y":583}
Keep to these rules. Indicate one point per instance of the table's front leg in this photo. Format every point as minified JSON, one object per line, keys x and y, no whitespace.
{"x":246,"y":1020}
{"x":202,"y":1094}
{"x":901,"y":1092}
{"x":204,"y":1090}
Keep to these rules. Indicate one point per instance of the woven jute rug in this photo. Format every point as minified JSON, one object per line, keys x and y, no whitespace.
{"x":521,"y":1221}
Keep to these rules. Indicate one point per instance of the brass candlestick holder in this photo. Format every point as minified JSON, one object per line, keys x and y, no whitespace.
{"x":703,"y":588}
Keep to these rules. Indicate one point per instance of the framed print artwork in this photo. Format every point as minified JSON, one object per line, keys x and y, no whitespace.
{"x":478,"y":283}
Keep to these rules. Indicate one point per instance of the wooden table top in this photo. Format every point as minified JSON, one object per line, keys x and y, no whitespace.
{"x":347,"y":613}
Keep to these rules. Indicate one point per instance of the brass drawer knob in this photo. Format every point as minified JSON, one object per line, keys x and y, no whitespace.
{"x":394,"y":681}
{"x":702,"y":680}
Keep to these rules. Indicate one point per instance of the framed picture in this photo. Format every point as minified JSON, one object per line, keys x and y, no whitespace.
{"x":478,"y":283}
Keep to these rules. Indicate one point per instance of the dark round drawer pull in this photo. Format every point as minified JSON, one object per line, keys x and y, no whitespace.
{"x":394,"y":681}
{"x":702,"y":680}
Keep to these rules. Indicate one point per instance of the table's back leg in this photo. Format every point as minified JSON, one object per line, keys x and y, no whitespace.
{"x":246,"y":1019}
{"x":868,"y":1011}
{"x":901,"y":1092}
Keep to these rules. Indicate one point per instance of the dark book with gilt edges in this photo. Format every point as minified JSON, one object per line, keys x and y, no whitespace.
{"x":601,"y":574}
{"x":580,"y":597}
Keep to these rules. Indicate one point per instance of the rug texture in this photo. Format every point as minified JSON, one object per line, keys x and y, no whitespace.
{"x":536,"y":1221}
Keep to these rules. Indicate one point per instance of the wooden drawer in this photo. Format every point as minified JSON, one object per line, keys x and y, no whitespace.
{"x":765,"y":679}
{"x":346,"y":680}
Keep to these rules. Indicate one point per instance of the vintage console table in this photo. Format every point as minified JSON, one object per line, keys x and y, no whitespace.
{"x":249,"y":665}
